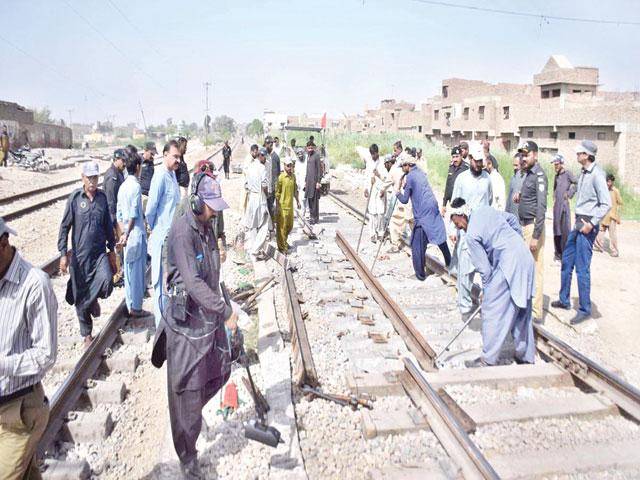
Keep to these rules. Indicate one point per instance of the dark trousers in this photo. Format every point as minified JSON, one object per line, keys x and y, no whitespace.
{"x":185,"y":413}
{"x":271,"y":200}
{"x":225,"y":165}
{"x":419,"y":242}
{"x":559,"y":241}
{"x":314,"y":207}
{"x":86,"y":284}
{"x":577,"y":253}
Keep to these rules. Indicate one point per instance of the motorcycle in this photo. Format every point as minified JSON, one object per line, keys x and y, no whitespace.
{"x":28,"y":160}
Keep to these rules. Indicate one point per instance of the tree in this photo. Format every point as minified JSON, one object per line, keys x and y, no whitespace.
{"x":224,"y":126}
{"x":42,"y":115}
{"x":255,"y":128}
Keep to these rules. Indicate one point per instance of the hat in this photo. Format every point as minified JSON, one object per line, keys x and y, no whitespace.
{"x":288,"y":161}
{"x":151,"y":147}
{"x":268,"y":139}
{"x":120,"y":153}
{"x":528,"y":146}
{"x":476,"y":151}
{"x":406,"y":159}
{"x":4,"y":228}
{"x":464,"y":145}
{"x":263,"y":151}
{"x":210,"y":193}
{"x":90,"y":169}
{"x":389,"y":158}
{"x":456,"y":150}
{"x":588,"y":147}
{"x":558,"y":158}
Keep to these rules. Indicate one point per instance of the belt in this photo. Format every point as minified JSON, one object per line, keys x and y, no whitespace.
{"x":586,"y":218}
{"x":4,"y":399}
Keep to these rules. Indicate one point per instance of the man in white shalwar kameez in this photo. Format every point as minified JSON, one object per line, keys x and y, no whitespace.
{"x":474,"y":187}
{"x":381,"y":193}
{"x":497,"y":185}
{"x":257,"y":220}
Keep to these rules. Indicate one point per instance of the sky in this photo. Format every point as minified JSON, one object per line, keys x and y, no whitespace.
{"x":105,"y":59}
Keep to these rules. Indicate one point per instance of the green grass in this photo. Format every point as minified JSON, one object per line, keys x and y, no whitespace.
{"x":342,"y":150}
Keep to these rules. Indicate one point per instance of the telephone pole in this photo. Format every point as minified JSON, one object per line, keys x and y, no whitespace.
{"x":70,"y":112}
{"x":144,"y":121}
{"x":206,"y":97}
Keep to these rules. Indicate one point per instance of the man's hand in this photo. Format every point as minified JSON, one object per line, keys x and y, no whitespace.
{"x":112,"y":262}
{"x":382,"y":194}
{"x":366,"y":193}
{"x":453,"y":238}
{"x":223,"y":255}
{"x":64,"y":262}
{"x":232,"y":322}
{"x":533,"y":245}
{"x":123,"y":240}
{"x":443,"y":210}
{"x":516,"y":198}
{"x":318,"y":186}
{"x":586,"y":228}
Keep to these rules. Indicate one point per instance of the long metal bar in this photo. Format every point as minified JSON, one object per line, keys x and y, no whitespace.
{"x":411,"y":336}
{"x":363,"y":222}
{"x":446,"y":426}
{"x":354,"y":210}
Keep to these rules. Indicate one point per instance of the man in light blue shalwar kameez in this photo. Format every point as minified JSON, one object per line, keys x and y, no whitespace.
{"x":164,"y":196}
{"x":129,"y":214}
{"x":494,"y":242}
{"x":474,"y":186}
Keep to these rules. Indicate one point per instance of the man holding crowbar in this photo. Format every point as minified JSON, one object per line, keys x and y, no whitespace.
{"x":506,"y":266}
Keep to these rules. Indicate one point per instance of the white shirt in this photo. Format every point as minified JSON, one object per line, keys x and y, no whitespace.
{"x":498,"y":188}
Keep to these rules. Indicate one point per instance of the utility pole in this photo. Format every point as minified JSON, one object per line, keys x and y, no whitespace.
{"x":206,"y":97}
{"x":70,"y":112}
{"x":144,"y":121}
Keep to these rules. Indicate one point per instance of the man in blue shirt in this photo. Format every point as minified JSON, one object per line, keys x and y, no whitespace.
{"x":134,"y":236}
{"x":593,"y":201}
{"x":428,"y":223}
{"x":164,"y":196}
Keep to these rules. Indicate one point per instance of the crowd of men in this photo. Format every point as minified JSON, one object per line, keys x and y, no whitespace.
{"x":270,"y":192}
{"x":498,"y":235}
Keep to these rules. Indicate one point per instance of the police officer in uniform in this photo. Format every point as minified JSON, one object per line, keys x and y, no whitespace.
{"x":191,"y":336}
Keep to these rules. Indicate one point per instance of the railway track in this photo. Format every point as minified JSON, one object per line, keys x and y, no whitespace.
{"x":565,"y":385}
{"x":75,"y":414}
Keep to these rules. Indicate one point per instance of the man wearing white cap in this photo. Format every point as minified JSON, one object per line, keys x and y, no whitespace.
{"x":191,"y":336}
{"x":564,"y":188}
{"x":400,"y":216}
{"x":474,"y":187}
{"x":593,"y":201}
{"x":257,"y":220}
{"x":28,"y":347}
{"x":494,"y":240}
{"x":87,"y":218}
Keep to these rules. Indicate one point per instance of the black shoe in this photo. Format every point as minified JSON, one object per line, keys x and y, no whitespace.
{"x":579,"y":318}
{"x":559,"y":304}
{"x":538,"y":321}
{"x":521,"y":362}
{"x":191,"y":470}
{"x":477,"y":363}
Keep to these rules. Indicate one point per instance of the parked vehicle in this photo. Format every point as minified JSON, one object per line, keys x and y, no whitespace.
{"x":28,"y":160}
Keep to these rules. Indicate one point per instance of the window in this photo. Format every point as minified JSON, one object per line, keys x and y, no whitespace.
{"x":505,"y":113}
{"x":555,"y":92}
{"x":577,"y":91}
{"x":448,"y":117}
{"x":572,"y":135}
{"x":436,"y":115}
{"x":481,"y":112}
{"x":445,"y":91}
{"x":545,"y":93}
{"x":393,"y":116}
{"x":553,"y":135}
{"x":465,"y":113}
{"x":419,"y":128}
{"x":529,"y":133}
{"x":602,"y":136}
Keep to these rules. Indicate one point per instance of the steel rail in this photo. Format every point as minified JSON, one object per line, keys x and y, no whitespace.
{"x":20,"y":196}
{"x":412,"y":337}
{"x":445,"y":425}
{"x":358,"y":213}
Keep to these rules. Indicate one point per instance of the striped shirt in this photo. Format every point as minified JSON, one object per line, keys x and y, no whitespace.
{"x":28,"y":326}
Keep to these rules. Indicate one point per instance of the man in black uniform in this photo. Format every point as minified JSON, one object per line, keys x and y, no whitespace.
{"x":464,"y":152}
{"x":273,"y":172}
{"x":531,"y":210}
{"x":113,"y":178}
{"x":182,"y":173}
{"x":456,"y":168}
{"x":87,"y":217}
{"x":312,"y":182}
{"x":146,"y":172}
{"x":226,"y":158}
{"x":191,"y":336}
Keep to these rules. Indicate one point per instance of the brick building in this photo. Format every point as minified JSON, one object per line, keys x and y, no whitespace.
{"x":562,"y":106}
{"x":23,"y":128}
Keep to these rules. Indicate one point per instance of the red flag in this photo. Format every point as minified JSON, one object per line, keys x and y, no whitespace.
{"x":323,"y":122}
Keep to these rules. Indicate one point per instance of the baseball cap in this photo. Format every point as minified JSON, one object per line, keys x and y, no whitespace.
{"x":210,"y":193}
{"x":558,"y":158}
{"x":528,"y":146}
{"x":588,"y":147}
{"x":90,"y":169}
{"x":475,"y":150}
{"x":456,"y":150}
{"x":120,"y":153}
{"x":464,"y":145}
{"x":288,"y":161}
{"x":263,"y":151}
{"x":151,"y":147}
{"x":268,"y":139}
{"x":4,"y":228}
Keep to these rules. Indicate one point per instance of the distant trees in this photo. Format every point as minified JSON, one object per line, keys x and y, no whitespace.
{"x":255,"y":128}
{"x":224,"y":126}
{"x":43,"y":115}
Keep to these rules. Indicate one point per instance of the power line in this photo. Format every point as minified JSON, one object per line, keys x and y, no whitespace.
{"x":134,"y":26}
{"x":539,"y":16}
{"x":113,"y":45}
